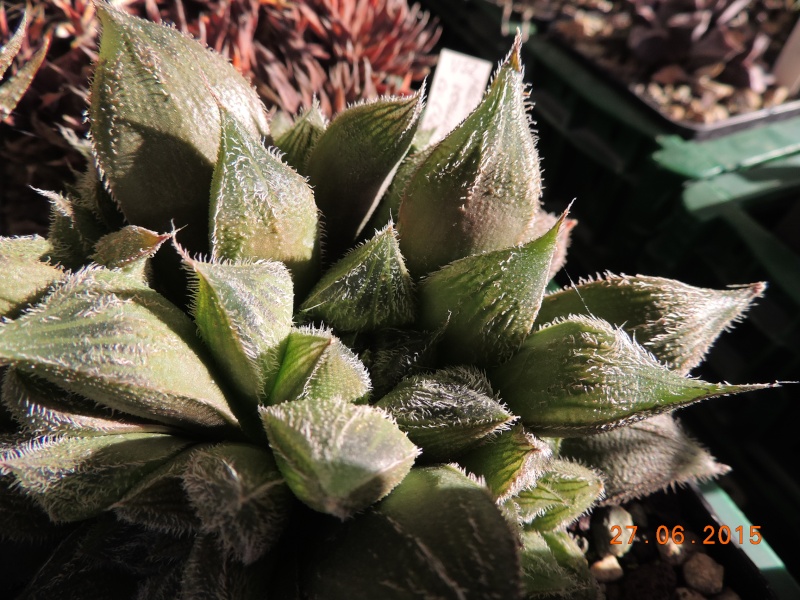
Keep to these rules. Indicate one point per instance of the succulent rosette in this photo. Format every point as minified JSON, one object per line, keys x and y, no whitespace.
{"x":319,"y":361}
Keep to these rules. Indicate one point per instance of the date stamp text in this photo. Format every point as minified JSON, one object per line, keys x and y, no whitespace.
{"x":713,"y":535}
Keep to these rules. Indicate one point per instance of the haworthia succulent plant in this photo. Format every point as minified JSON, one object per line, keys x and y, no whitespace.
{"x":317,"y":365}
{"x":106,"y":336}
{"x":299,"y":139}
{"x":366,"y":290}
{"x":437,"y":535}
{"x":74,"y":478}
{"x":243,"y":311}
{"x":348,"y":181}
{"x":564,"y":492}
{"x":129,"y":249}
{"x":239,"y":496}
{"x":159,"y":501}
{"x":510,"y":462}
{"x":554,"y":567}
{"x":291,"y":427}
{"x":44,"y":409}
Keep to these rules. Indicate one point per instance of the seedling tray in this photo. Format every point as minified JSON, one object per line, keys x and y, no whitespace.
{"x":685,"y":129}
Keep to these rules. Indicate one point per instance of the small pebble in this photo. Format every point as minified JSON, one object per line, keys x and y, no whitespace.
{"x":676,"y":112}
{"x":683,"y":93}
{"x":775,"y":96}
{"x":684,"y":593}
{"x":704,"y":574}
{"x":607,"y":569}
{"x":672,"y":553}
{"x":612,"y":524}
{"x":677,"y":554}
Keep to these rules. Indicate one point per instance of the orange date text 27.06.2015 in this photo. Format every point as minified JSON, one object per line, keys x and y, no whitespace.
{"x":713,"y":535}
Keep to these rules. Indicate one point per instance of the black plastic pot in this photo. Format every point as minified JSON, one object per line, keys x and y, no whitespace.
{"x":753,"y":570}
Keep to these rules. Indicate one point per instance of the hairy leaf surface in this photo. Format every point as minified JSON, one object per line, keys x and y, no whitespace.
{"x":106,"y":336}
{"x":337,"y":457}
{"x":446,"y":412}
{"x":581,"y":376}
{"x":368,"y":289}
{"x":155,"y":121}
{"x":260,"y":207}
{"x":478,"y":189}
{"x":437,"y":535}
{"x":488,"y":302}
{"x":243,"y":311}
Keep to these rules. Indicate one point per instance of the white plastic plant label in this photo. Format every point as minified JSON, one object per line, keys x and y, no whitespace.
{"x":787,"y":66}
{"x":458,"y":86}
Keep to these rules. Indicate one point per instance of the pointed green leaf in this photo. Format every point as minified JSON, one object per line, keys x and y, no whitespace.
{"x":479,"y":188}
{"x":564,"y":492}
{"x":11,"y":91}
{"x":676,"y":322}
{"x":80,"y":218}
{"x":488,"y":302}
{"x":214,"y":574}
{"x":554,"y":567}
{"x":243,"y":311}
{"x":337,"y":457}
{"x":352,"y":161}
{"x":368,"y":289}
{"x":156,"y":124}
{"x":71,"y":236}
{"x":316,"y":365}
{"x":159,"y":501}
{"x":41,"y":408}
{"x":129,"y":249}
{"x":78,"y":478}
{"x":510,"y":462}
{"x":644,"y":457}
{"x":260,"y":207}
{"x":437,"y":535}
{"x":24,"y":272}
{"x":106,"y":336}
{"x":581,"y":375}
{"x":299,"y":139}
{"x":240,"y":496}
{"x":446,"y":412}
{"x":545,"y":221}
